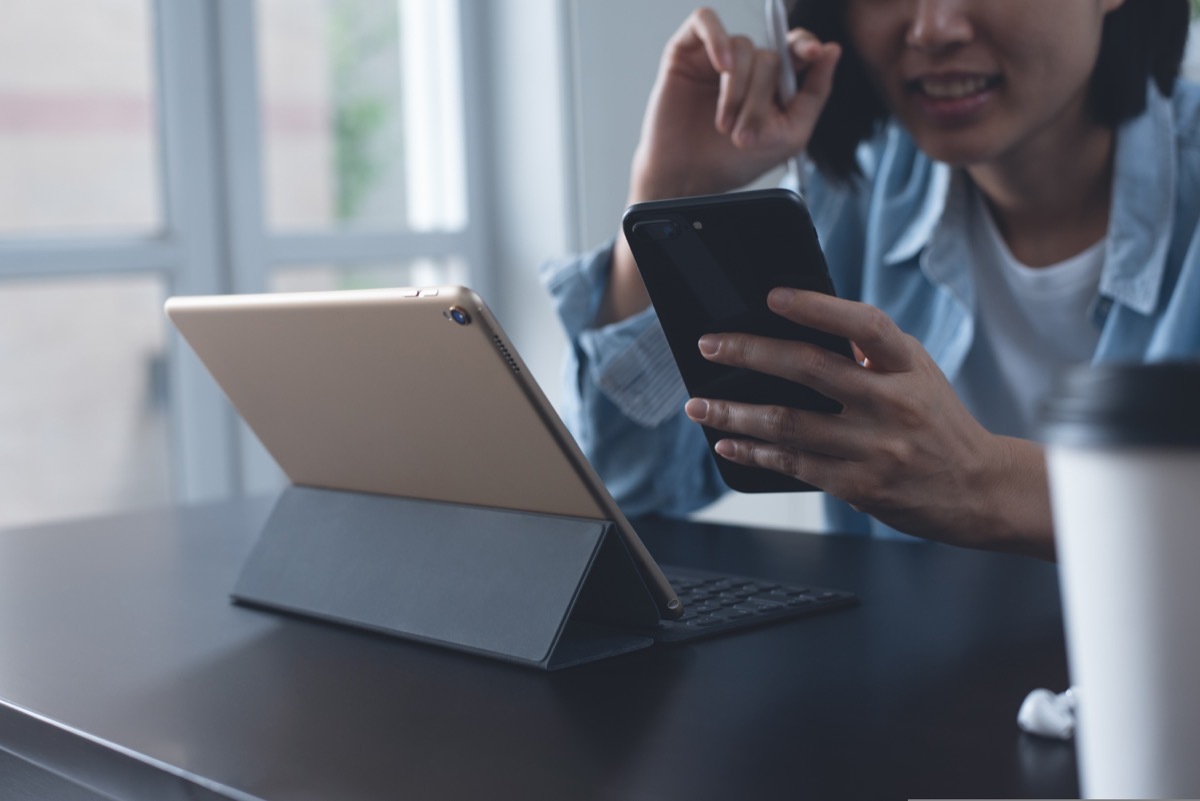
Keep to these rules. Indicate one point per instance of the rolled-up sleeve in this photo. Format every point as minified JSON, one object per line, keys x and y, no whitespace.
{"x":624,"y":397}
{"x":629,"y":360}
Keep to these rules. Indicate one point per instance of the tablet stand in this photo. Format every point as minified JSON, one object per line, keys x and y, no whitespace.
{"x":540,"y":590}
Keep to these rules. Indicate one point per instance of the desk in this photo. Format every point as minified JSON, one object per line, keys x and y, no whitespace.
{"x":125,"y":673}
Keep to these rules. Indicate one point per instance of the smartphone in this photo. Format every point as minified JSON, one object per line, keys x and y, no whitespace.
{"x":708,"y":263}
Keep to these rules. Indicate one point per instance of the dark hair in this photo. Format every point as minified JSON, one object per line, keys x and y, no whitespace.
{"x":1141,"y":39}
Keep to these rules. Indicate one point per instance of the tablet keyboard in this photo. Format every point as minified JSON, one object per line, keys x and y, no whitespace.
{"x":717,"y":603}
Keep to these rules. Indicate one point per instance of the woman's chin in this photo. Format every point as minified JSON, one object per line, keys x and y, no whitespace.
{"x":958,"y":150}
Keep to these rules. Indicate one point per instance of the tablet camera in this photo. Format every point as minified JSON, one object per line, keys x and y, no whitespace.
{"x":458,"y":315}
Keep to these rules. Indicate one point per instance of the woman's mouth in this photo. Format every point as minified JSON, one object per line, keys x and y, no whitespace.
{"x":953,"y":97}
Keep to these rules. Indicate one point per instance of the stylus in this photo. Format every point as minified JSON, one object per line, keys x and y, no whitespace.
{"x":777,"y":30}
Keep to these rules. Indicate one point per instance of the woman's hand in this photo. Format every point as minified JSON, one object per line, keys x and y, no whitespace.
{"x":903,"y":449}
{"x":714,"y":124}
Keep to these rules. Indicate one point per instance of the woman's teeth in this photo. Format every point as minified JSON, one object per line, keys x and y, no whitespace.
{"x":950,"y":89}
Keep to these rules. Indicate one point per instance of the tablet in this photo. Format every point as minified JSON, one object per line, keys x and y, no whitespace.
{"x":410,"y":392}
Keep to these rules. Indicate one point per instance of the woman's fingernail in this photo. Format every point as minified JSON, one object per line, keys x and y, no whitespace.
{"x":725,"y":448}
{"x":697,"y":409}
{"x":781,"y":298}
{"x":709,"y":345}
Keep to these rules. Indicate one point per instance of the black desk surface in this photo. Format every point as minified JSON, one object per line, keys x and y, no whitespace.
{"x":124,"y":668}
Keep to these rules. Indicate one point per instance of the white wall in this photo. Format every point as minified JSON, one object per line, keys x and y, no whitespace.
{"x":530,"y":176}
{"x":615,"y":46}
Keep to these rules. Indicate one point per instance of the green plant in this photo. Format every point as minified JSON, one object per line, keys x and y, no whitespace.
{"x":359,"y":114}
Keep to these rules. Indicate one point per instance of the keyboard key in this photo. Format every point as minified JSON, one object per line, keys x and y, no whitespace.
{"x":756,"y":607}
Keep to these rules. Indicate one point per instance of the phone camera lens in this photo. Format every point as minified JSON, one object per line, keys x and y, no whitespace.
{"x":459,"y":315}
{"x":658,"y":230}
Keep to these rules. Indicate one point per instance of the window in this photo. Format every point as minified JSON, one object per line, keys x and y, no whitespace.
{"x":79,"y":147}
{"x":203,"y":146}
{"x":362,"y":114}
{"x":83,"y":426}
{"x":82,"y":416}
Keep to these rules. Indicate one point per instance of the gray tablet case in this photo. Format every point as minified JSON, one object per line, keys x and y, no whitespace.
{"x":541,"y":590}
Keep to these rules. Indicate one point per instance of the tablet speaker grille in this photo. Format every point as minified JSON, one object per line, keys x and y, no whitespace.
{"x":512,"y":363}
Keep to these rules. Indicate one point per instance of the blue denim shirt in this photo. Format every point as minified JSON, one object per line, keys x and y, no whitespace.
{"x":897,"y":240}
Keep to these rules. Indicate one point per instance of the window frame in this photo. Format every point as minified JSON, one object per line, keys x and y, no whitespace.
{"x":214,"y":237}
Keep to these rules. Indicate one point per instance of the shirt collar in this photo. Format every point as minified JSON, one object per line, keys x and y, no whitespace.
{"x":931,"y":215}
{"x":1143,"y":207}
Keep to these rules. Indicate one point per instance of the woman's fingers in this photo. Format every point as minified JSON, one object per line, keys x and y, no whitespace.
{"x":817,"y":83}
{"x":761,"y":120}
{"x":807,"y":51}
{"x":735,"y":84}
{"x":813,"y":432}
{"x":703,"y":28}
{"x":879,"y":346}
{"x":812,"y":447}
{"x":829,"y":373}
{"x":821,"y":471}
{"x":707,"y":81}
{"x":760,"y":108}
{"x":883,"y":344}
{"x":702,"y":45}
{"x":747,"y":107}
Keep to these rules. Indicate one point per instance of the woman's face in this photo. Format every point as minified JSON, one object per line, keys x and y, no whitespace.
{"x":975,"y":81}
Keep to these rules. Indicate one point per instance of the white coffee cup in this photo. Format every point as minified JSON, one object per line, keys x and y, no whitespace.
{"x":1123,"y":454}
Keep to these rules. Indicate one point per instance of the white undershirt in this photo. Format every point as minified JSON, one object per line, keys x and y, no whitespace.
{"x":1032,"y":323}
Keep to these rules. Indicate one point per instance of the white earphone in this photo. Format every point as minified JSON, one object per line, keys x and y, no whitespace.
{"x":1047,"y":714}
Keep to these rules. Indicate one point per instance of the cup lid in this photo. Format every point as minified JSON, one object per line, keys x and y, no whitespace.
{"x":1155,"y":405}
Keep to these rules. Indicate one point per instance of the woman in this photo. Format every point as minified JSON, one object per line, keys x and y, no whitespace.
{"x":1003,"y":189}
